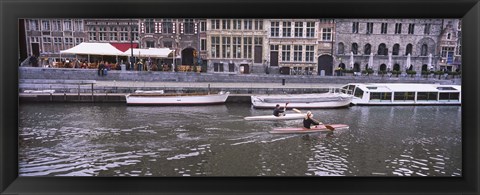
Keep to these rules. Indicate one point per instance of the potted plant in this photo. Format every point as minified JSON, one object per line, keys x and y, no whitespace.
{"x":396,"y":72}
{"x":411,"y":73}
{"x":349,"y":72}
{"x":439,"y":73}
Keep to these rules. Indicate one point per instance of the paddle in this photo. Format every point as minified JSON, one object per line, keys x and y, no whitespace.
{"x":327,"y":126}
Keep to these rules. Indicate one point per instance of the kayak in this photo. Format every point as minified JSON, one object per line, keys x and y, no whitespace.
{"x":272,"y":117}
{"x":318,"y":128}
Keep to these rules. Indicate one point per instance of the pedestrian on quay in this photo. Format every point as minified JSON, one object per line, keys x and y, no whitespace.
{"x":309,"y":120}
{"x":101,"y":67}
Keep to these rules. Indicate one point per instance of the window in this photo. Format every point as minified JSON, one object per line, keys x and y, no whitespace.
{"x":102,"y":36}
{"x":411,"y":29}
{"x":355,"y":27}
{"x":247,"y":24}
{"x":258,"y":24}
{"x":34,"y":25}
{"x":449,"y":96}
{"x":188,"y":26}
{"x":247,"y":47}
{"x":258,"y":41}
{"x":92,"y":36}
{"x":358,"y":93}
{"x":396,"y":49}
{"x":59,"y":40}
{"x":355,"y":48}
{"x":311,"y":29}
{"x":449,"y":36}
{"x":424,"y":50}
{"x":149,"y":26}
{"x":203,"y":44}
{"x":369,"y":28}
{"x":326,"y":34}
{"x":56,"y":25}
{"x":426,"y":29}
{"x":380,"y":96}
{"x":218,"y":67}
{"x":274,"y":29}
{"x":67,"y":25}
{"x":203,"y":26}
{"x":427,"y":96}
{"x":273,"y":47}
{"x":113,"y":36}
{"x":297,"y":53}
{"x":309,"y":53}
{"x":47,"y":39}
{"x":78,"y":41}
{"x":226,"y":50}
{"x":382,"y":49}
{"x":167,"y":26}
{"x":215,"y":24}
{"x":404,"y":96}
{"x":237,"y":47}
{"x":45,"y":25}
{"x":341,"y":48}
{"x":168,"y":44}
{"x":124,"y":36}
{"x":384,"y":28}
{"x":237,"y":24}
{"x":409,"y":49}
{"x":226,"y":24}
{"x":298,"y":29}
{"x":398,"y":28}
{"x":150,"y":44}
{"x":287,"y":29}
{"x":286,"y":53}
{"x":215,"y":47}
{"x":367,"y":49}
{"x":446,"y":50}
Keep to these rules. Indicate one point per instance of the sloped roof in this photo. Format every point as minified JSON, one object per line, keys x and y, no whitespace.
{"x":150,"y":52}
{"x":93,"y":49}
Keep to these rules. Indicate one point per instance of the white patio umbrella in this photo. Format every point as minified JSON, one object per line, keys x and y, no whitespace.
{"x":430,"y":67}
{"x":389,"y":65}
{"x":370,"y":61}
{"x":407,"y":66}
{"x":351,"y":59}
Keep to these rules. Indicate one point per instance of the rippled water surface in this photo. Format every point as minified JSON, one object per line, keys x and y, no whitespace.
{"x":119,"y":140}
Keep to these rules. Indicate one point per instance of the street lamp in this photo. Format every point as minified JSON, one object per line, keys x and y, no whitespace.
{"x":132,"y":59}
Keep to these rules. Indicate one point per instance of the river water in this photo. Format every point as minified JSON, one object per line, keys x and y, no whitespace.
{"x":118,"y":140}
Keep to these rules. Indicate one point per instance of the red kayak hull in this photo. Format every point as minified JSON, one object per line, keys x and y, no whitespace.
{"x":318,"y":128}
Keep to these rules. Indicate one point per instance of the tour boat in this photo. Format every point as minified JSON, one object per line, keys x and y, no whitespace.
{"x":287,"y":116}
{"x":320,"y":100}
{"x":403,"y":94}
{"x":160,"y":98}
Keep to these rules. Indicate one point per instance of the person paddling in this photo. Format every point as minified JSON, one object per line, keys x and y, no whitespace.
{"x":308,"y":120}
{"x":278,"y":112}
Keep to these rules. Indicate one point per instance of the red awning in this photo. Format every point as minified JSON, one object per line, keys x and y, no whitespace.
{"x":123,"y":46}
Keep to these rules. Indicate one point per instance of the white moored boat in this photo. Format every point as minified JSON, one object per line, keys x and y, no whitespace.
{"x":147,"y":98}
{"x":320,"y":100}
{"x":288,"y":116}
{"x":403,"y":94}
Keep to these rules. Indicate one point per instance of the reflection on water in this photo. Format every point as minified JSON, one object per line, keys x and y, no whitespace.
{"x":116,"y":140}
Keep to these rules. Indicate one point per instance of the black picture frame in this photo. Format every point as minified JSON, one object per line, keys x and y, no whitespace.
{"x":468,"y":10}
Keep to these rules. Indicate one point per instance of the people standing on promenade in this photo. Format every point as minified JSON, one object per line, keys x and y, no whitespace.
{"x":101,"y":67}
{"x":309,"y":120}
{"x":140,"y":65}
{"x":278,"y":112}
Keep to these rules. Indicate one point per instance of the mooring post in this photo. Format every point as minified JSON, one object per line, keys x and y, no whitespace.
{"x":92,"y":93}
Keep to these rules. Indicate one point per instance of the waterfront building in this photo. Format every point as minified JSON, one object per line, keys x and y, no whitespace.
{"x":45,"y":37}
{"x":235,"y":45}
{"x":300,"y":46}
{"x":180,"y":35}
{"x":450,"y":46}
{"x":389,"y":42}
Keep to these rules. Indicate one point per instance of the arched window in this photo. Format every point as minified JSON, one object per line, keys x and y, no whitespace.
{"x":449,"y":36}
{"x":383,"y":67}
{"x":356,"y":67}
{"x":424,"y":67}
{"x":382,"y":49}
{"x":355,"y":48}
{"x":396,"y":67}
{"x":396,"y":49}
{"x":367,"y":49}
{"x":409,"y":49}
{"x":341,"y":48}
{"x":342,"y":65}
{"x":424,"y":50}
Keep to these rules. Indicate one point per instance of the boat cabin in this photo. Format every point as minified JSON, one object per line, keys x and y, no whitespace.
{"x":403,"y":94}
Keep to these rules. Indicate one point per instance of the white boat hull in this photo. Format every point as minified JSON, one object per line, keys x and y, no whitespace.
{"x":165,"y":99}
{"x":288,"y":116}
{"x":326,"y":100}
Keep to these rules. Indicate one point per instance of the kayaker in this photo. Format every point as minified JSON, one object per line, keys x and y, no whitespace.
{"x":308,"y":120}
{"x":278,"y":112}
